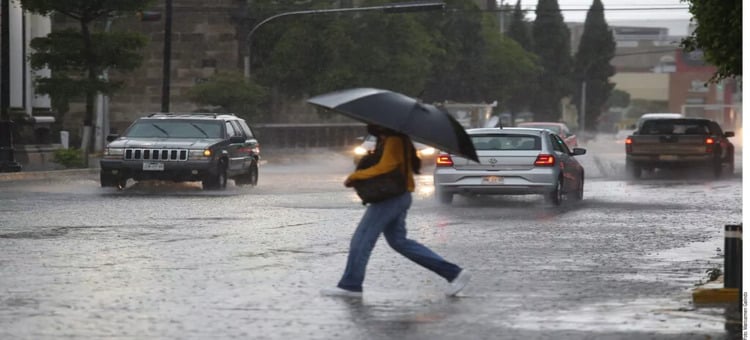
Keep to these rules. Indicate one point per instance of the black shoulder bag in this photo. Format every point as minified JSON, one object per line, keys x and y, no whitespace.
{"x":381,"y":187}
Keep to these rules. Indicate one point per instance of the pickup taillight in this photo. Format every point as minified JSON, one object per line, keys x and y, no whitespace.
{"x":710,"y":142}
{"x":628,"y":145}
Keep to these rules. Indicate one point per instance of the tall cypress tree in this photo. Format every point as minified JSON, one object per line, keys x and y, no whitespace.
{"x":518,"y":28}
{"x":595,"y":51}
{"x":552,"y":45}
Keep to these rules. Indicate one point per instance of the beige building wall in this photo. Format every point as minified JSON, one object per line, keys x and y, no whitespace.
{"x":643,"y":85}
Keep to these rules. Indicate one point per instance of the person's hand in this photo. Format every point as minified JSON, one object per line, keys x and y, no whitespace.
{"x":348,"y":183}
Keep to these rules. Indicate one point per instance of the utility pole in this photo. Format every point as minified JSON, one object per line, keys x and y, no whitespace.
{"x":167,"y":65}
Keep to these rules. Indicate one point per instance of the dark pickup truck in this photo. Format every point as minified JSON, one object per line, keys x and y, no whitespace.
{"x":679,"y":142}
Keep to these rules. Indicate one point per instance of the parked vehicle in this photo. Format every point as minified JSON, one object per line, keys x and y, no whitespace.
{"x":561,"y":129}
{"x":426,"y":153}
{"x":681,"y":142}
{"x":512,"y":161}
{"x":183,"y":147}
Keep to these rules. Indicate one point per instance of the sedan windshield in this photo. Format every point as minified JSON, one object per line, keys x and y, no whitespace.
{"x":175,"y":129}
{"x":506,"y":142}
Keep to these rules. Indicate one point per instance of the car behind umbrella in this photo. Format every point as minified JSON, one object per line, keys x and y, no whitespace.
{"x":512,"y":161}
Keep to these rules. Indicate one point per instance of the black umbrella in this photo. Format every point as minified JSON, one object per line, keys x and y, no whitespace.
{"x":423,"y":122}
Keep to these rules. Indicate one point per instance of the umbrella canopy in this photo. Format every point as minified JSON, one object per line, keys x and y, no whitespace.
{"x":423,"y":122}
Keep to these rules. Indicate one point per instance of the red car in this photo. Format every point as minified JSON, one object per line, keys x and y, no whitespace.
{"x":559,"y":129}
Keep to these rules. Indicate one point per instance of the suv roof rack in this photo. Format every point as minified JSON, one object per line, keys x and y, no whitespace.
{"x":190,"y":114}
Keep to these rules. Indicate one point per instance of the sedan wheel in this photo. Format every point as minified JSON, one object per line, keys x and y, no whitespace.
{"x":444,"y":197}
{"x":579,"y":191}
{"x":556,"y":196}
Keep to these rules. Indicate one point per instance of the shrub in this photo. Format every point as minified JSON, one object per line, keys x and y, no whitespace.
{"x":69,"y":158}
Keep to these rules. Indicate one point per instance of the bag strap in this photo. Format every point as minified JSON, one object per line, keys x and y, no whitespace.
{"x":407,"y":160}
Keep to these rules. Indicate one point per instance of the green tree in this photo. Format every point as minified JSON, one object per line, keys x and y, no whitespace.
{"x":552,"y":45}
{"x":77,"y":58}
{"x":518,"y":28}
{"x":718,"y":34}
{"x":458,"y":63}
{"x":230,"y":92}
{"x":618,"y":98}
{"x":506,"y":66}
{"x":592,"y":66}
{"x":523,"y":92}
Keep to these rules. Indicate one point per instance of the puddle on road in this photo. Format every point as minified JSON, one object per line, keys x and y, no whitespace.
{"x":670,"y":317}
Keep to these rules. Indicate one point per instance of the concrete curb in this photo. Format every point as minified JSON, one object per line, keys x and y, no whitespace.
{"x":714,"y":293}
{"x":713,"y":296}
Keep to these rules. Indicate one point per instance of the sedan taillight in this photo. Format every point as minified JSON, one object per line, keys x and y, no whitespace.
{"x":444,"y":160}
{"x":544,"y":160}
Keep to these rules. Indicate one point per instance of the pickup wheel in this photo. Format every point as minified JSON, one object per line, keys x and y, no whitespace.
{"x":634,"y":170}
{"x":717,"y":168}
{"x":218,"y":180}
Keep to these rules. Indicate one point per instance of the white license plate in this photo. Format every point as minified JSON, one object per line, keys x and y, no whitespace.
{"x":492,"y":180}
{"x":153,"y":166}
{"x":668,"y":158}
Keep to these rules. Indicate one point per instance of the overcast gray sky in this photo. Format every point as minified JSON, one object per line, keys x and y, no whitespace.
{"x":626,"y":12}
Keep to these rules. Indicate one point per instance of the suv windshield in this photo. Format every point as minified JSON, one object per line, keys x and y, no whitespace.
{"x":157,"y":128}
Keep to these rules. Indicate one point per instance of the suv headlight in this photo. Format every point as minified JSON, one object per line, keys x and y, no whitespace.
{"x":360,"y":151}
{"x":200,"y":155}
{"x":428,"y":151}
{"x":114,"y":153}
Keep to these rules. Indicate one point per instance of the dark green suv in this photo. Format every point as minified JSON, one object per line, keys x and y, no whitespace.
{"x":202,"y":147}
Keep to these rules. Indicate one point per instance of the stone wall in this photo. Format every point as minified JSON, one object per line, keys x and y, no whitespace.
{"x":204,"y":41}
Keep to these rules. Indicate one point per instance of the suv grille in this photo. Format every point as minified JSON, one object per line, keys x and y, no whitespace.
{"x":156,"y":154}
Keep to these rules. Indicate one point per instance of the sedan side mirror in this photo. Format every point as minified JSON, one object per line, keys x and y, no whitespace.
{"x":578,"y":151}
{"x":729,"y":134}
{"x":112,"y":137}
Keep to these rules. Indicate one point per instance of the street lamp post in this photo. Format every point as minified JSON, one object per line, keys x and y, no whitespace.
{"x":167,"y":65}
{"x":390,"y":8}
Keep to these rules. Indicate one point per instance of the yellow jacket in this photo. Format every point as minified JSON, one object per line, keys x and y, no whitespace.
{"x":393,"y":156}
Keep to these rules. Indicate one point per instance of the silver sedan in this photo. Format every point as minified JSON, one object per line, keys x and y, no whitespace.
{"x":512,"y":161}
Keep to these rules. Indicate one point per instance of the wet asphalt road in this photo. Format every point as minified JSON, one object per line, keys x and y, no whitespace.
{"x":169,"y":261}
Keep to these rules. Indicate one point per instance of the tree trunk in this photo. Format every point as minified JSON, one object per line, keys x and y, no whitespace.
{"x":90,"y":93}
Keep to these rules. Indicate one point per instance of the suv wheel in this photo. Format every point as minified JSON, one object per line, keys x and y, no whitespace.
{"x":218,"y":180}
{"x":251,"y":178}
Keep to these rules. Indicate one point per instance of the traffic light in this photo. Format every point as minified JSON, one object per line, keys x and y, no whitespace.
{"x":148,"y":15}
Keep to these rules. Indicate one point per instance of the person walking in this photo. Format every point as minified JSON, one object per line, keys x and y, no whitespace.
{"x":389,"y":218}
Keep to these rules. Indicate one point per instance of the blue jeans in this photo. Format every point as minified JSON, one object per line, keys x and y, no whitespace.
{"x":389,"y":217}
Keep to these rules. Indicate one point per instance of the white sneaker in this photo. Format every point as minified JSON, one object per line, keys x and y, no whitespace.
{"x":336,"y":291}
{"x":458,"y":283}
